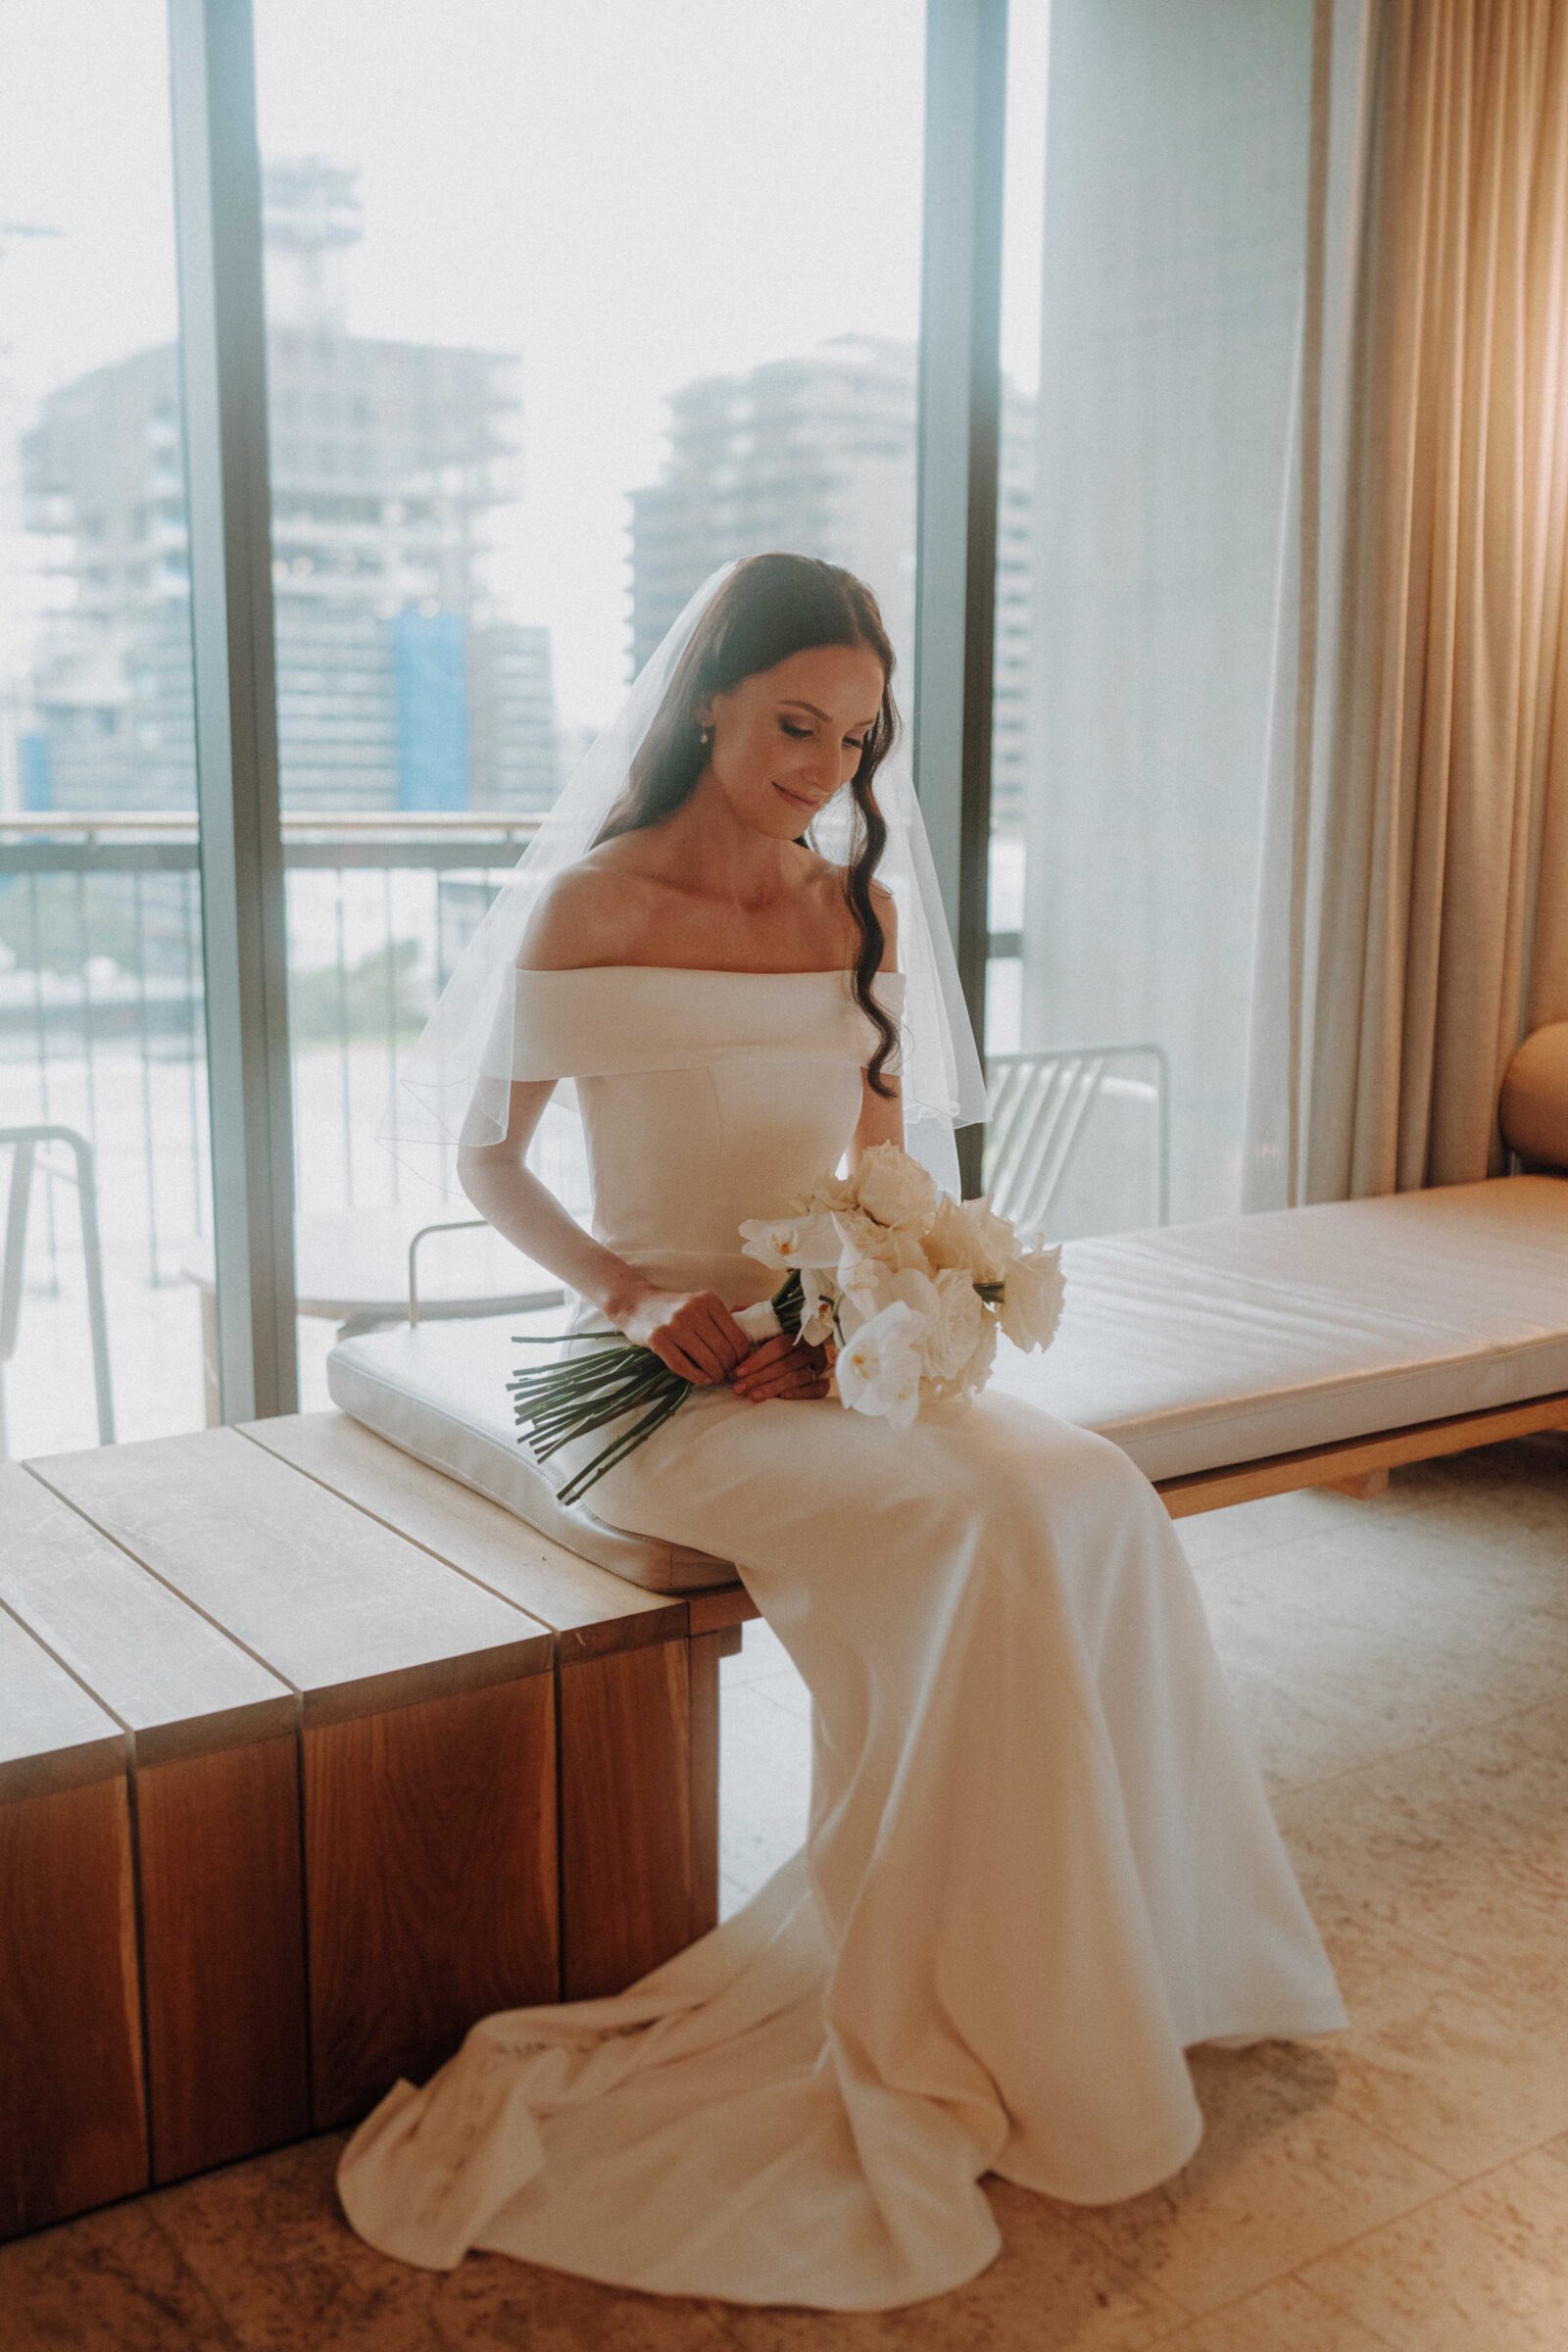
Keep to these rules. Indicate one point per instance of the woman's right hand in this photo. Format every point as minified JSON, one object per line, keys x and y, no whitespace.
{"x":693,"y":1332}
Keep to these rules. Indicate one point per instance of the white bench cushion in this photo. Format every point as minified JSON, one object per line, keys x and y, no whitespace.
{"x":1194,"y":1346}
{"x":1198,"y":1346}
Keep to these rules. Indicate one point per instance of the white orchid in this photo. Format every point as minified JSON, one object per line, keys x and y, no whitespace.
{"x":878,"y":1371}
{"x":818,"y":1297}
{"x":915,"y":1284}
{"x":802,"y":1237}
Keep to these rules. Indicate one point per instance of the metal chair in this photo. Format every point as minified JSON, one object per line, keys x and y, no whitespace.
{"x":12,"y":1265}
{"x":1038,"y":1106}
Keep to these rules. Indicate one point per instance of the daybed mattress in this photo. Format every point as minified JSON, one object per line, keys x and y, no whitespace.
{"x":1194,"y":1346}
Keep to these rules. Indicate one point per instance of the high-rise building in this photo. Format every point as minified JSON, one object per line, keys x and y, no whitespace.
{"x":400,"y":683}
{"x":817,"y":453}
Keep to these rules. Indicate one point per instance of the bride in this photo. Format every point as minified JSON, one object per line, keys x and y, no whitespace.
{"x":1040,"y":1862}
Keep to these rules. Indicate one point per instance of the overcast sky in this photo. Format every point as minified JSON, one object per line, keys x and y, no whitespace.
{"x":626,"y":193}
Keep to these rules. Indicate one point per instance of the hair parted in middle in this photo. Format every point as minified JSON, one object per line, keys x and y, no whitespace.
{"x":771,"y":607}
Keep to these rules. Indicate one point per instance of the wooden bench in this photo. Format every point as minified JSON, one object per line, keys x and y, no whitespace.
{"x":311,"y":1756}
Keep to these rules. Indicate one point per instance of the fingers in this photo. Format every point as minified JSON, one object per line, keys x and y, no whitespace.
{"x":763,"y":1354}
{"x":702,"y":1340}
{"x":782,"y":1368}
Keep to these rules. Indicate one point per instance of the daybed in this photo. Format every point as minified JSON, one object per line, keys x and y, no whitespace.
{"x":1234,"y":1357}
{"x":312,"y":1754}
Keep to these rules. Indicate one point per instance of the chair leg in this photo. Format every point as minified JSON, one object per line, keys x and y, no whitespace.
{"x":93,"y":1265}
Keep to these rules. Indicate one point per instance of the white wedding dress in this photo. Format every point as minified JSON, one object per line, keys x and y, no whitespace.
{"x":1040,"y":1862}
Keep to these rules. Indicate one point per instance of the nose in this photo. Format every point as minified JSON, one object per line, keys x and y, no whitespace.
{"x":821,"y":774}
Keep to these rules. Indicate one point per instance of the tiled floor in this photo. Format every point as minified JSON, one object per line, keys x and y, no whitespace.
{"x":1402,"y":1667}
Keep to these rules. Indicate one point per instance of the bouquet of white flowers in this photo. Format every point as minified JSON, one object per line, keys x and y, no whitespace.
{"x":912,"y":1284}
{"x":907,"y":1286}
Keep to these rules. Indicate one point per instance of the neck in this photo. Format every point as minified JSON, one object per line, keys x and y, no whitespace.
{"x":718,"y":857}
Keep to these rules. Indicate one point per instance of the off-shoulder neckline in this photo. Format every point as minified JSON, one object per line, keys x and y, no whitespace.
{"x":701,"y":971}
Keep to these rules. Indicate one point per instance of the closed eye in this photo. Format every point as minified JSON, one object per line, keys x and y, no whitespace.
{"x":855,"y":743}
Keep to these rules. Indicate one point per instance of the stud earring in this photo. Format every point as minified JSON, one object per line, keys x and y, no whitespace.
{"x":705,"y":736}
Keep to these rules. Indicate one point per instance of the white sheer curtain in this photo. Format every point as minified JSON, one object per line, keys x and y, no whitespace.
{"x":1289,"y":898}
{"x":1174,"y":240}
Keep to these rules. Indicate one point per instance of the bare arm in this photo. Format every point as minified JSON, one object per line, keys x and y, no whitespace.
{"x":693,"y":1332}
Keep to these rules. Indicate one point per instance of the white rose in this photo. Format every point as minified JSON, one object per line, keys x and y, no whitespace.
{"x":956,"y":1327}
{"x":977,"y":1371}
{"x":878,"y":1370}
{"x":947,"y":1240}
{"x":1032,"y":1294}
{"x":992,"y":1242}
{"x":832,"y":1192}
{"x":895,"y":1189}
{"x":863,"y":1236}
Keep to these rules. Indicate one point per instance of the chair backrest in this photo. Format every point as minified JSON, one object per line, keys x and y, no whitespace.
{"x":1038,"y":1107}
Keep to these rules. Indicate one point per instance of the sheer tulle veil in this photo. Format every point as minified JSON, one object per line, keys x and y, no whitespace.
{"x":454,"y":1082}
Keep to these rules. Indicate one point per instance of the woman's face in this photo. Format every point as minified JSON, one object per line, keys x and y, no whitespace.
{"x":785,"y":739}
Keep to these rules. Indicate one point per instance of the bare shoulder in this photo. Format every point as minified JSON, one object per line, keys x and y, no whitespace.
{"x":590,"y":913}
{"x":887,"y":914}
{"x":825,"y":882}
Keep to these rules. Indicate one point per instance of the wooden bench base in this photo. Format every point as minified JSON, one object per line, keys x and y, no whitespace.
{"x":327,"y":1756}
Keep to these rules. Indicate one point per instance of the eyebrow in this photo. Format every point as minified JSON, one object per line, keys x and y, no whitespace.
{"x":793,"y":701}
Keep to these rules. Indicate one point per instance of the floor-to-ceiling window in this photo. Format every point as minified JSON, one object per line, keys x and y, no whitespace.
{"x":102,"y":1024}
{"x":1156,"y":247}
{"x":565,"y":308}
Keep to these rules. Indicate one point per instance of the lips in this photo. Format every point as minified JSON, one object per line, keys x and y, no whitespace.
{"x":797,"y":799}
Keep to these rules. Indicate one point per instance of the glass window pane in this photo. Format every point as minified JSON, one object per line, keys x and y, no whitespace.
{"x":1155,"y":250}
{"x":565,"y":308}
{"x":102,"y":1022}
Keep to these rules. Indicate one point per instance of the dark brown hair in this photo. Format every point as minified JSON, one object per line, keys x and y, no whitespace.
{"x":771,"y":607}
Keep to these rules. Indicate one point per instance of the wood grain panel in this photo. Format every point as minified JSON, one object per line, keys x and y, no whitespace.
{"x":704,"y":1654}
{"x":215,"y":1822}
{"x":590,"y":1609}
{"x":73,"y":2124}
{"x":223,"y":1949}
{"x":177,"y":1683}
{"x":329,"y":1599}
{"x":430,"y":1883}
{"x":625,"y":1816}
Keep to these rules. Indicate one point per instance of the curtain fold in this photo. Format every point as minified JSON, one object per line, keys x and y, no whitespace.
{"x":1414,"y":911}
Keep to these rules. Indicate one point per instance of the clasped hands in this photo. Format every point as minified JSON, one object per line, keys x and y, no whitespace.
{"x":695,"y":1334}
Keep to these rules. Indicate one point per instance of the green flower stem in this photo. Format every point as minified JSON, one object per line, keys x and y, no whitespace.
{"x":556,"y":1402}
{"x":565,"y":1422}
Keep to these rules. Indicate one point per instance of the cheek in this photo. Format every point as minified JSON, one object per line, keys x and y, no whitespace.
{"x":764,"y":755}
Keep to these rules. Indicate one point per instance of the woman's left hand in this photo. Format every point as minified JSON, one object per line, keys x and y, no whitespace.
{"x":783,"y":1366}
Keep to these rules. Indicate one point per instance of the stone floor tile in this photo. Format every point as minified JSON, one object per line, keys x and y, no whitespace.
{"x":1484,"y":2268}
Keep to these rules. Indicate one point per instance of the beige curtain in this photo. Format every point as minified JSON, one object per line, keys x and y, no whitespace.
{"x":1420,"y":920}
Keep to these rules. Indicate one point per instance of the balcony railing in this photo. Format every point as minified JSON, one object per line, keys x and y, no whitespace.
{"x":103,"y":1031}
{"x":101,"y":990}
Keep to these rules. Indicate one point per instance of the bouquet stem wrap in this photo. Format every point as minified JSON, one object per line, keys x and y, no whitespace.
{"x":912,"y":1286}
{"x":556,"y":1402}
